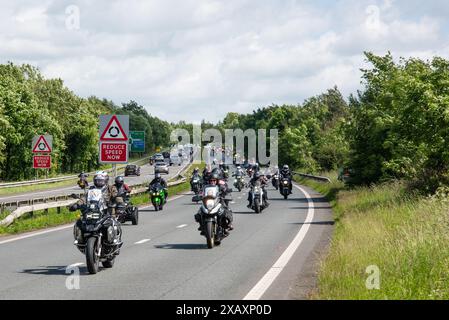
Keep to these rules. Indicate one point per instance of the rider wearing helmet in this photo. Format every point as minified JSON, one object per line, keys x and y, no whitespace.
{"x":286,"y":173}
{"x":263,"y":182}
{"x":120,"y":190}
{"x":195,"y":175}
{"x":100,"y":182}
{"x":159,"y":180}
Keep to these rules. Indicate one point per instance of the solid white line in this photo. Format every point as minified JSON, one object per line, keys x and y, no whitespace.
{"x":142,"y":241}
{"x":261,"y":287}
{"x":36,"y":234}
{"x":181,"y":226}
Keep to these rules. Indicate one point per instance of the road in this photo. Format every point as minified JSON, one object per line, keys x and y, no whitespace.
{"x":271,"y":255}
{"x":145,"y":176}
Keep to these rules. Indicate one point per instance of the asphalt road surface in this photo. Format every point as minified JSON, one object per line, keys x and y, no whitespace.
{"x":271,"y":255}
{"x":146,"y":175}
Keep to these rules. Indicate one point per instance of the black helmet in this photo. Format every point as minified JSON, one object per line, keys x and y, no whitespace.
{"x":157,"y":176}
{"x":257,"y":175}
{"x":99,"y":180}
{"x":196,"y":170}
{"x":119,"y":181}
{"x":216,"y":174}
{"x":285,"y":167}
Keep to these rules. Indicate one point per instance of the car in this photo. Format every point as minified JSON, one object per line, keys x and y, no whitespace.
{"x":156,"y":157}
{"x":161,"y":167}
{"x":132,"y":170}
{"x":175,"y":160}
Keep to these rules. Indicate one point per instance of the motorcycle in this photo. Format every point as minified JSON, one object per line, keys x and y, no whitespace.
{"x":257,"y":202}
{"x":250,"y":172}
{"x":97,"y":234}
{"x":125,"y":211}
{"x":284,"y":188}
{"x":275,"y":181}
{"x":196,"y":188}
{"x":157,"y":195}
{"x":239,"y":183}
{"x":209,"y":216}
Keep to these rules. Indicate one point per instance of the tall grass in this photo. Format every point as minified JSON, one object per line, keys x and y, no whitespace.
{"x":405,"y":235}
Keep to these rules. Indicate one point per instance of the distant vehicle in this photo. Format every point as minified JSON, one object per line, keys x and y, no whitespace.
{"x":175,"y":160}
{"x":132,"y":170}
{"x":155,"y":157}
{"x":161,"y":167}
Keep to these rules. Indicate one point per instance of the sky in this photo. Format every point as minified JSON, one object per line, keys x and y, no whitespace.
{"x":200,"y":59}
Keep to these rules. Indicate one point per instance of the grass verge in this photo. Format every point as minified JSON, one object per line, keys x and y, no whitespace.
{"x":402,"y":234}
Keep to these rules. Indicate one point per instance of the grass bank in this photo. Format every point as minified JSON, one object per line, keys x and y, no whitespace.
{"x":41,"y":220}
{"x":405,"y":236}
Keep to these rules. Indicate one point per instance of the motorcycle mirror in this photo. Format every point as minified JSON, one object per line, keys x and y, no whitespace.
{"x":74,"y":196}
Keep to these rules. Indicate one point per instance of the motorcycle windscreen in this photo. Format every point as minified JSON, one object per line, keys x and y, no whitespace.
{"x":96,"y":195}
{"x":211,"y":192}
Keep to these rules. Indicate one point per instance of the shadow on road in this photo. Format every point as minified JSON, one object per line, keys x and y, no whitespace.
{"x":53,"y":271}
{"x":181,"y":246}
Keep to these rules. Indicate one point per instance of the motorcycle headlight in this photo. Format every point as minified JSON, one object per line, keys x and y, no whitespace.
{"x":92,"y":206}
{"x":285,"y":182}
{"x":210,"y":204}
{"x":111,"y":234}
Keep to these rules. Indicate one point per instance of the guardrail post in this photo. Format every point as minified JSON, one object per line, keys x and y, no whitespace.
{"x":46,"y":210}
{"x":32,"y":212}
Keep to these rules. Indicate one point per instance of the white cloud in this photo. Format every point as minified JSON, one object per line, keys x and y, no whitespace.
{"x":194,"y":59}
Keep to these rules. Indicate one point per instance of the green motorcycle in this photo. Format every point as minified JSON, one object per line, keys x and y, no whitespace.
{"x":158,"y":196}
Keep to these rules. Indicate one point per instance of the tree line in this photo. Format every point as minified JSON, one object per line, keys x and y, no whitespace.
{"x":31,"y":105}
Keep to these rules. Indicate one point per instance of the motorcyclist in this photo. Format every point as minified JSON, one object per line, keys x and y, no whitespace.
{"x":206,"y":174}
{"x":120,"y":190}
{"x":263,"y":182}
{"x":217,"y":179}
{"x":159,"y":180}
{"x":239,"y":172}
{"x":286,"y":173}
{"x":195,"y":175}
{"x":82,"y":182}
{"x":99,"y":183}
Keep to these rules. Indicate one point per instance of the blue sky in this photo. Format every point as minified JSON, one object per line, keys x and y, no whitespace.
{"x":195,"y":59}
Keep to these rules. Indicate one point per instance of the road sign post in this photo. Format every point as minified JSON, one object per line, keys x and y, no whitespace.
{"x":114,"y":133}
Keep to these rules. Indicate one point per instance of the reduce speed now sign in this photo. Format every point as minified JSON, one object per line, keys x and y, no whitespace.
{"x":114,"y":133}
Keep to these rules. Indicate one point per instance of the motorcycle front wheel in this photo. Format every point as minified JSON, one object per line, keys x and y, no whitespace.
{"x":92,"y":259}
{"x":210,"y":234}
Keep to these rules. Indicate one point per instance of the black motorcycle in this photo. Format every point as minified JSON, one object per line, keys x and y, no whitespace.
{"x":195,"y":185}
{"x":256,"y":195}
{"x":125,"y":211}
{"x":97,"y":234}
{"x":285,"y":187}
{"x":239,"y":182}
{"x":210,"y":216}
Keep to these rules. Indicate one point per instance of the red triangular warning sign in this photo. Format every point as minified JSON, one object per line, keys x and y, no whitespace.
{"x":41,"y":145}
{"x":114,"y":131}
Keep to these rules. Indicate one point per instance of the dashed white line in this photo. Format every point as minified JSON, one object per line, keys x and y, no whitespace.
{"x":181,"y":226}
{"x":262,"y":286}
{"x":142,"y":241}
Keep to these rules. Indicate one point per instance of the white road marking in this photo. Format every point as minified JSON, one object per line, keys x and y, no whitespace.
{"x":181,"y":226}
{"x":262,"y":286}
{"x":71,"y":266}
{"x":142,"y":241}
{"x":36,"y":234}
